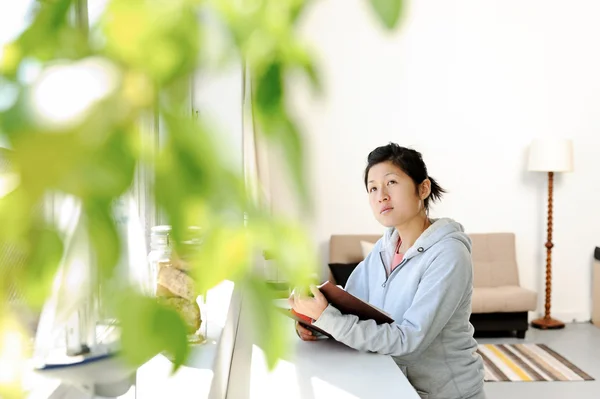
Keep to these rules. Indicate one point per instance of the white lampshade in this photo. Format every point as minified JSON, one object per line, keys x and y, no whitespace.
{"x":551,"y":155}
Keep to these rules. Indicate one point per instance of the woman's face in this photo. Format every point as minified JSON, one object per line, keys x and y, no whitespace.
{"x":392,"y":195}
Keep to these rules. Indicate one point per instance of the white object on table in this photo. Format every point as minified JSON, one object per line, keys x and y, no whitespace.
{"x":312,"y":370}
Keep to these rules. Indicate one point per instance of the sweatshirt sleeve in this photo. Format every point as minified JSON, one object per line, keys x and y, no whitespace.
{"x":442,"y":289}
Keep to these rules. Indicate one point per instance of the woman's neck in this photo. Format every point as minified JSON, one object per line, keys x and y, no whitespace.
{"x":410,"y":231}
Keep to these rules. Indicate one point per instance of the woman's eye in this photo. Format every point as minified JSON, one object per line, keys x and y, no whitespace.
{"x":391,"y":182}
{"x":372,"y":189}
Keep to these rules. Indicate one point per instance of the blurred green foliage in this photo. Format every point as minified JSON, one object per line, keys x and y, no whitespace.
{"x":83,"y":138}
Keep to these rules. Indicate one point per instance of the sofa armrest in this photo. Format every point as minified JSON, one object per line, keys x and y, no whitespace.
{"x":505,"y":299}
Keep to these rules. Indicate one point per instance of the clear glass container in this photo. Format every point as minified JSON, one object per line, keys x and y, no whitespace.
{"x":160,"y":252}
{"x":173,"y":284}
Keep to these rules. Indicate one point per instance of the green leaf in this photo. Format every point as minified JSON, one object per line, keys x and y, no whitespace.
{"x":16,"y":212}
{"x":107,"y":171}
{"x":50,"y":36}
{"x":158,"y":42}
{"x":41,"y":265}
{"x":311,"y":71}
{"x":35,"y":248}
{"x":388,"y":11}
{"x":191,"y":175}
{"x":103,"y":235}
{"x":68,"y":163}
{"x":276,"y":125}
{"x":269,"y":324}
{"x":149,"y":328}
{"x":289,"y":246}
{"x":269,"y":89}
{"x":159,"y":38}
{"x":297,"y":7}
{"x":224,"y":253}
{"x":293,"y":147}
{"x":45,"y":159}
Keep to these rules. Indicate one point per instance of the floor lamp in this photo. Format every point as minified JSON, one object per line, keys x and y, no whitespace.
{"x":551,"y":156}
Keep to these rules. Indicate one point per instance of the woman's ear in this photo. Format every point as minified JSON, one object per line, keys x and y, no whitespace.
{"x":425,"y":189}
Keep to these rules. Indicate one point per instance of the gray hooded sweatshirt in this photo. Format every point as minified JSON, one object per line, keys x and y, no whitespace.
{"x":429,"y":296}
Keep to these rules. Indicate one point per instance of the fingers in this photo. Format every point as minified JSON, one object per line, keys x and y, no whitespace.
{"x":296,"y":298}
{"x":319,"y":297}
{"x":307,"y":337}
{"x":316,"y":292}
{"x":303,"y":330}
{"x":293,"y":300}
{"x":304,"y":333}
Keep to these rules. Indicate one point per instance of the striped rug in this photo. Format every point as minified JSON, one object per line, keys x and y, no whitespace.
{"x":527,"y":362}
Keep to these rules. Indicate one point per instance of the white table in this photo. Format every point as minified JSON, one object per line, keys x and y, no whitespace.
{"x":323,"y":369}
{"x":310,"y":370}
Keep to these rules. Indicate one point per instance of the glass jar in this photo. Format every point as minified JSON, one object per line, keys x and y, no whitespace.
{"x":160,"y":252}
{"x":174,"y":287}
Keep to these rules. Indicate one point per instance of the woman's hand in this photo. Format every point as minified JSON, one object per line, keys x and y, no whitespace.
{"x":311,"y":307}
{"x":304,"y":333}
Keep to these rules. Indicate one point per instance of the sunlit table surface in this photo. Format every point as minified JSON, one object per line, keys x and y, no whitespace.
{"x":313,"y":370}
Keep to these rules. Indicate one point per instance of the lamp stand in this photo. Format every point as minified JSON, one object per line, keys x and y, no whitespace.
{"x":547,"y":322}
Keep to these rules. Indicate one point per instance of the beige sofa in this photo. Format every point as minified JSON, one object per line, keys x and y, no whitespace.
{"x":596,"y":289}
{"x":499,"y":302}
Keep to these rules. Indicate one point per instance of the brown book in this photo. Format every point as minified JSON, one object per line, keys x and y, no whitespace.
{"x":346,"y":303}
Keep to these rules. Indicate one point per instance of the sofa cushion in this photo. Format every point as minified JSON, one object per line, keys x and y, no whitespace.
{"x":366,"y":247}
{"x":342,"y":271}
{"x":494,"y":260}
{"x":503,"y":299}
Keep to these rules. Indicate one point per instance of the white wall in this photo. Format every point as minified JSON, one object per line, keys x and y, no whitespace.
{"x":469,"y":84}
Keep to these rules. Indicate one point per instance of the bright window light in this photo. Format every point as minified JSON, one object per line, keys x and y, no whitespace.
{"x":63,"y":93}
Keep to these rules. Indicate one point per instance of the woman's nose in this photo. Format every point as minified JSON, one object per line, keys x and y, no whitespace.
{"x":383,"y":196}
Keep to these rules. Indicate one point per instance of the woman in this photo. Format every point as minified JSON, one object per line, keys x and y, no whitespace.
{"x":420,"y":272}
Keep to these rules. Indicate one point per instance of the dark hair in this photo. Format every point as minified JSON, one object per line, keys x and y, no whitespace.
{"x":411,"y":163}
